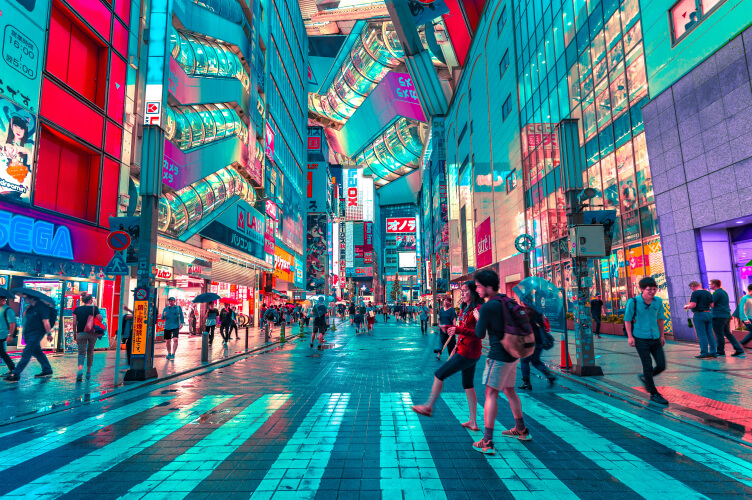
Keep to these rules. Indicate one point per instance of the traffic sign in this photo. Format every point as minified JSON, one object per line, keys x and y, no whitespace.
{"x":118,"y":240}
{"x":117,"y":266}
{"x":142,"y":293}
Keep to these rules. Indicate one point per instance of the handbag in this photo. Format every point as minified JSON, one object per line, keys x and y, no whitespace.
{"x":89,"y":328}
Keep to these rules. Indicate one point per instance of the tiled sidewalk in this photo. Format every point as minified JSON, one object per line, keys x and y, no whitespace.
{"x":295,"y":422}
{"x":34,"y":395}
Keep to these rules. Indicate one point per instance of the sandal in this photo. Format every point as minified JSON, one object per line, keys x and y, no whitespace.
{"x":420,"y":411}
{"x":466,"y":425}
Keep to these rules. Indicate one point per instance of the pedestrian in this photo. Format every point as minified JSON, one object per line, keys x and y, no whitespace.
{"x":360,"y":314}
{"x":7,"y":331}
{"x":86,"y":337}
{"x":192,"y":321}
{"x":319,"y":322}
{"x":262,"y":316}
{"x":501,"y":367}
{"x":37,"y":324}
{"x":173,"y":316}
{"x":351,"y":311}
{"x":225,"y":322}
{"x":127,"y":332}
{"x":745,"y":313}
{"x":233,"y":322}
{"x":271,"y":318}
{"x":721,"y":311}
{"x":539,"y":327}
{"x":644,"y":319}
{"x":469,"y":349}
{"x":447,"y":315}
{"x":596,"y":311}
{"x":210,"y":320}
{"x":700,"y":302}
{"x":423,"y":318}
{"x":385,"y":312}
{"x":370,"y":318}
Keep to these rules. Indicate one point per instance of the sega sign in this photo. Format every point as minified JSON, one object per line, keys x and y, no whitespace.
{"x":28,"y":235}
{"x":400,"y":224}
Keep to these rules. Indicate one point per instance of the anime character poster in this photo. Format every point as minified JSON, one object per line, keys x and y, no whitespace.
{"x":17,"y":140}
{"x":316,"y":253}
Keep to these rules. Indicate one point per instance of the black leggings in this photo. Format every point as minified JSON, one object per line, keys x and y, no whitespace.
{"x":455,"y":364}
{"x":210,"y":329}
{"x":8,"y":362}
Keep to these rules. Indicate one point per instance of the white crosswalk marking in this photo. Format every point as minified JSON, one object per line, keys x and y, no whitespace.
{"x":86,"y":468}
{"x":405,"y":459}
{"x":65,"y":435}
{"x":521,"y":472}
{"x":715,"y":459}
{"x":298,"y":470}
{"x":635,"y":473}
{"x":184,"y":473}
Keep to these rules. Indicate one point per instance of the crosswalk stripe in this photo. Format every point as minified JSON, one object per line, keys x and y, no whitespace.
{"x":521,"y":472}
{"x":86,"y":468}
{"x":298,"y":470}
{"x":9,"y":433}
{"x":715,"y":459}
{"x":405,"y":458}
{"x":184,"y":473}
{"x":65,"y":435}
{"x":632,"y":471}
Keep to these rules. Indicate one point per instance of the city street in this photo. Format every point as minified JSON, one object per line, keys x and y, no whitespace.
{"x":295,"y":422}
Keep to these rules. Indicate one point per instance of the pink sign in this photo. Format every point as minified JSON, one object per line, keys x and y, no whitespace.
{"x":483,"y":249}
{"x":269,"y":139}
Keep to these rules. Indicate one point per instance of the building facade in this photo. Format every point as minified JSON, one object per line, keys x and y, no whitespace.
{"x":697,"y":127}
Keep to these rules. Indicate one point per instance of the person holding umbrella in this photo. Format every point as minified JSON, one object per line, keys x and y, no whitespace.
{"x":211,"y":314}
{"x":7,"y":327}
{"x":37,"y":323}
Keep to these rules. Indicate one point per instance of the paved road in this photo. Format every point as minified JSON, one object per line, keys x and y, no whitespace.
{"x":296,"y":422}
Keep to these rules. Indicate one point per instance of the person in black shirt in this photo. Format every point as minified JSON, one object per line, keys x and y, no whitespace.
{"x":699,"y":303}
{"x":501,"y":367}
{"x":86,"y":340}
{"x":596,"y":310}
{"x":36,"y":325}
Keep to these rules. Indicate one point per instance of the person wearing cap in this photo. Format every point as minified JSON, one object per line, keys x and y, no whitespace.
{"x":700,"y":302}
{"x":173,"y":316}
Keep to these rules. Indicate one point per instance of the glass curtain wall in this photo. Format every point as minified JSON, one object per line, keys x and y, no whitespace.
{"x":206,"y":58}
{"x":584,"y":60}
{"x":192,"y":126}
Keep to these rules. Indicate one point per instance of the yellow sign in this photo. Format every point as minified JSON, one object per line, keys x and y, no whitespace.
{"x":140,"y":315}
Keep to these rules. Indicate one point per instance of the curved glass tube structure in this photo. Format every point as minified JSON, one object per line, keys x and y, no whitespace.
{"x":183,"y":209}
{"x":376,"y":52}
{"x":192,"y":126}
{"x":201,"y":57}
{"x":395,"y":152}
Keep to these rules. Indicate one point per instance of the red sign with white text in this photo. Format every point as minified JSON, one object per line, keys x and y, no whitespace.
{"x":483,"y":250}
{"x":400,"y":225}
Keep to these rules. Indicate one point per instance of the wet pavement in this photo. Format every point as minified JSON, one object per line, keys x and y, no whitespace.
{"x":295,"y":422}
{"x":32,"y":395}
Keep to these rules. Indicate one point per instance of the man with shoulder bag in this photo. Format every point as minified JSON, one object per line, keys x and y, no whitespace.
{"x":644,"y":321}
{"x":7,"y":330}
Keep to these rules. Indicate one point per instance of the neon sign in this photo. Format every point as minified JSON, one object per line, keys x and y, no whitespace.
{"x":352,"y":188}
{"x":27,"y":235}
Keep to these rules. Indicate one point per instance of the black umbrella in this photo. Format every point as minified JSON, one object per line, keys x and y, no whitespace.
{"x":34,"y":294}
{"x":203,"y":298}
{"x":5,"y":294}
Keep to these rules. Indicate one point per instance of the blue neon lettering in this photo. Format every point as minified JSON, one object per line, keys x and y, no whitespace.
{"x":20,"y":233}
{"x":61,"y":244}
{"x":27,"y":235}
{"x":42,"y":237}
{"x":4,"y":228}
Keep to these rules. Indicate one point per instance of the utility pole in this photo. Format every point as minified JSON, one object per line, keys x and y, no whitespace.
{"x":152,"y":153}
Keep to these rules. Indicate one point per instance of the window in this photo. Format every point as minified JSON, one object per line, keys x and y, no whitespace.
{"x":686,"y":14}
{"x":504,"y":64}
{"x":462,"y":134}
{"x":506,"y":108}
{"x":511,"y":181}
{"x":502,"y":20}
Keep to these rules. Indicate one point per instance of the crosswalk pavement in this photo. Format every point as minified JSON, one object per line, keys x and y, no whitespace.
{"x":408,"y":460}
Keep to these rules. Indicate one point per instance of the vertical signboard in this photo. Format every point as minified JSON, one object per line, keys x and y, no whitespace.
{"x":349,"y":245}
{"x":483,"y":251}
{"x":140,"y":315}
{"x":316,"y":253}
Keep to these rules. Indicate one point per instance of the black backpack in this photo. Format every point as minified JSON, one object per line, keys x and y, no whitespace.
{"x":518,"y":339}
{"x":319,"y":311}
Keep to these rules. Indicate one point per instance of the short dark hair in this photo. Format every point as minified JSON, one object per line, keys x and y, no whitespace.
{"x":716,"y":283}
{"x":749,"y":287}
{"x":487,"y":277}
{"x":647,"y":282}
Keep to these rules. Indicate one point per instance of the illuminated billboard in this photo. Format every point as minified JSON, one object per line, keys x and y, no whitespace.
{"x":400,"y":225}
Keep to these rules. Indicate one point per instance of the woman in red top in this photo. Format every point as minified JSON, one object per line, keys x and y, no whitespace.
{"x":464,"y":357}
